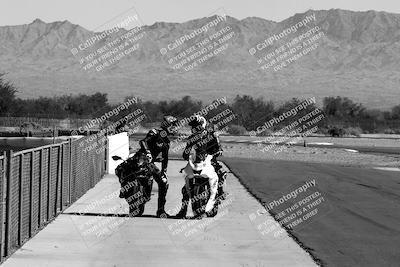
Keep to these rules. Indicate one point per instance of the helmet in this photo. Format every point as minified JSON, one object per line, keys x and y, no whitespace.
{"x":198,"y":123}
{"x":169,"y":124}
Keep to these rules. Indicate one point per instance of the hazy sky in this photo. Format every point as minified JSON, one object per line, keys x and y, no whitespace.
{"x":93,"y":13}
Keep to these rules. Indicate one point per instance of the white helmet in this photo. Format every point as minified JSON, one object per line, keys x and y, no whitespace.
{"x":198,"y":122}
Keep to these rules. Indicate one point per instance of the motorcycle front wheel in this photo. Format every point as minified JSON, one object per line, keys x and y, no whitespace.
{"x":136,"y":211}
{"x":214,"y":211}
{"x":137,"y":204}
{"x":199,"y":200}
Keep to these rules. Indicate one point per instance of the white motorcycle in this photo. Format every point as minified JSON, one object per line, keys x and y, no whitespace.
{"x":202,"y":185}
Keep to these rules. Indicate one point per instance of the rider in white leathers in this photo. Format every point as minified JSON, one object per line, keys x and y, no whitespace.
{"x":202,"y":141}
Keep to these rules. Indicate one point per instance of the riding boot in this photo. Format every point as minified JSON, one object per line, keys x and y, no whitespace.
{"x":162,"y":194}
{"x":147,"y":191}
{"x":221,"y":193}
{"x":221,"y":182}
{"x":185,"y":201}
{"x":182,"y":213}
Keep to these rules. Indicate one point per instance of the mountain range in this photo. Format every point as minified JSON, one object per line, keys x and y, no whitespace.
{"x":358,"y":57}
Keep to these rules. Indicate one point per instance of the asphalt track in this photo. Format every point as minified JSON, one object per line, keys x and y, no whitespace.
{"x":95,"y":232}
{"x":358,"y":224}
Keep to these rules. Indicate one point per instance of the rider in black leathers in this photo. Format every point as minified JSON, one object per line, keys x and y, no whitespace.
{"x":155,"y":143}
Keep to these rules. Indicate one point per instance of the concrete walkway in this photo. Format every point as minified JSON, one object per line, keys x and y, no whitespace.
{"x":235,"y":237}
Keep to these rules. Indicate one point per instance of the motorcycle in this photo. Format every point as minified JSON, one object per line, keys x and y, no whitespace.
{"x":199,"y":186}
{"x":136,"y":181}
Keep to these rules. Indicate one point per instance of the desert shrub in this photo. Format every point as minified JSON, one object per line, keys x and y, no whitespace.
{"x":392,"y":131}
{"x":396,"y":131}
{"x":267,"y":132}
{"x":335,"y":131}
{"x":31,"y":125}
{"x":354,"y":131}
{"x":389,"y":131}
{"x":323,"y":130}
{"x":30,"y":128}
{"x":237,"y":130}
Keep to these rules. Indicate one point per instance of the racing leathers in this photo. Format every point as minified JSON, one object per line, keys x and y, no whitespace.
{"x":204,"y":143}
{"x":155,"y":143}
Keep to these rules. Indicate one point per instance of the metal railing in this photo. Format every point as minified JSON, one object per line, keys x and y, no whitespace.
{"x":38,"y":184}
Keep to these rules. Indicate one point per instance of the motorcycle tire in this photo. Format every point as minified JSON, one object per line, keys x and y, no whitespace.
{"x":199,"y":205}
{"x":136,"y":212}
{"x":213,"y":212}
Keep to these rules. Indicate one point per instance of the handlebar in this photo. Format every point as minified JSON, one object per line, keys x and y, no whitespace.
{"x":116,"y":158}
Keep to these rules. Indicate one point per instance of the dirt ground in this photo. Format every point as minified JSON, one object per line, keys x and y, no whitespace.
{"x":374,"y":141}
{"x":308,"y":154}
{"x":295,"y":153}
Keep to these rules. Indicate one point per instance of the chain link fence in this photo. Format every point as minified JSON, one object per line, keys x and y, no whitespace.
{"x":38,"y":184}
{"x":68,"y":123}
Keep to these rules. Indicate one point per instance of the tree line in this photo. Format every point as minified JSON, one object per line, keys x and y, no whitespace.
{"x":340,"y":112}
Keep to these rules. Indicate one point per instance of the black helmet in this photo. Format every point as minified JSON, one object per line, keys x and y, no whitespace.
{"x":169,"y":124}
{"x":198,"y":123}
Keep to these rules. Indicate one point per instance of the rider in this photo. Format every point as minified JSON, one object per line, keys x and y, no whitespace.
{"x":204,"y":142}
{"x":155,"y":143}
{"x":215,"y":143}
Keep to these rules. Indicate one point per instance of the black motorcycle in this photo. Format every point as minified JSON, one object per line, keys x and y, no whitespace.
{"x":136,"y":181}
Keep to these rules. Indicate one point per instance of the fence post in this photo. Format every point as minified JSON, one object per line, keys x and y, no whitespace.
{"x":3,"y":201}
{"x":105,"y":168}
{"x":48,"y":184}
{"x":20,"y":200}
{"x":106,"y":154}
{"x":62,"y":177}
{"x":40,"y":188}
{"x":70,"y":171}
{"x":32,"y":174}
{"x":7,"y":236}
{"x":57,"y":180}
